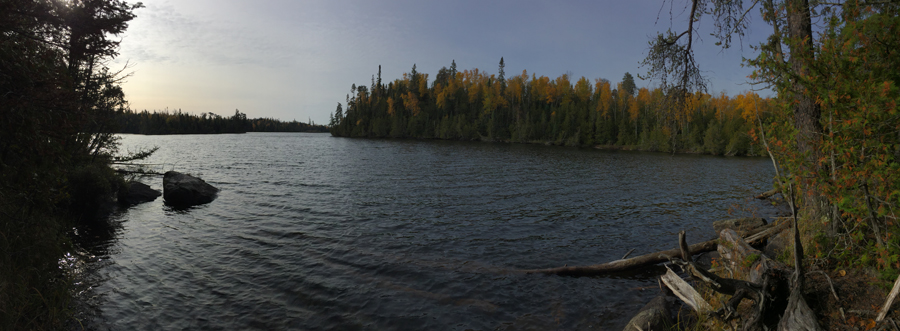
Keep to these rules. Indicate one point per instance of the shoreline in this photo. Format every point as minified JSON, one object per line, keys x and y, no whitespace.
{"x":630,"y":148}
{"x":842,"y":299}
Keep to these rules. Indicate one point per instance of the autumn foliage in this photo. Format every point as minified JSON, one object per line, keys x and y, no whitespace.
{"x":475,"y":105}
{"x":853,"y":79}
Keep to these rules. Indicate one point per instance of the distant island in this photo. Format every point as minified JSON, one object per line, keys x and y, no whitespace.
{"x":475,"y":105}
{"x":178,"y":122}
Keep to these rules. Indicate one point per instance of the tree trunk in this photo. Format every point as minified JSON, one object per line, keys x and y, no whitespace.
{"x":806,"y":111}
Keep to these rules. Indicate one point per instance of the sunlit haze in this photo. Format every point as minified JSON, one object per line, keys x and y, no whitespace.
{"x":297,"y":59}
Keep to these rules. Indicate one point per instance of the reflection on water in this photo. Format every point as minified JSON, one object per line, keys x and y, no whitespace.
{"x":315,"y":232}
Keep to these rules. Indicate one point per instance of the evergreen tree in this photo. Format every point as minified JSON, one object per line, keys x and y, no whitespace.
{"x":57,"y":102}
{"x":414,"y":80}
{"x":378,"y":81}
{"x":502,"y":75}
{"x":628,"y":85}
{"x":471,"y":106}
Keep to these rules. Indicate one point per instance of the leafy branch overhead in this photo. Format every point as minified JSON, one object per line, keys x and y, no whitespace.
{"x":833,"y":125}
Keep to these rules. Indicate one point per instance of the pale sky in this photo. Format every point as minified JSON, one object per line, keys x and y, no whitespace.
{"x":297,"y":59}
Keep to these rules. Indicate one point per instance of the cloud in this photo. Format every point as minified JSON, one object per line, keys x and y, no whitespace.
{"x":296,"y":59}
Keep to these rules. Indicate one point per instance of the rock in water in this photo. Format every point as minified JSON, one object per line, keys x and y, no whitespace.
{"x":185,"y":190}
{"x":137,"y":192}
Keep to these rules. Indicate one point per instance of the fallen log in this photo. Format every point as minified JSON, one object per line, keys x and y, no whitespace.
{"x":626,"y":264}
{"x":744,"y":259}
{"x":685,"y":292}
{"x":740,"y":225}
{"x":766,"y":288}
{"x":738,"y":289}
{"x":770,"y":230}
{"x":767,"y":194}
{"x":637,"y":261}
{"x":138,"y":172}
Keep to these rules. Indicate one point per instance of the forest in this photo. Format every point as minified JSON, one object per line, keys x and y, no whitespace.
{"x":830,"y":130}
{"x":475,"y":105}
{"x":58,"y":98}
{"x":178,"y":122}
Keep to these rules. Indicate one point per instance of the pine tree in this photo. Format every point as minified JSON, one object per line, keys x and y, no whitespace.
{"x":502,"y":75}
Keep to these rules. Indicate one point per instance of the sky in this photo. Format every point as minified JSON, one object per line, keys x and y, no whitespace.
{"x":296,"y":59}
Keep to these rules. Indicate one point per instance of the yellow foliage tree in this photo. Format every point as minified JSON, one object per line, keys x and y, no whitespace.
{"x":604,"y":96}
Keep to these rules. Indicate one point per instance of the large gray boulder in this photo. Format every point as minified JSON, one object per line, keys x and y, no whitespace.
{"x":185,"y":190}
{"x":136,"y":192}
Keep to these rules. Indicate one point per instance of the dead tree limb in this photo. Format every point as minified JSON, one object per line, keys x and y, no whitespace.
{"x":638,"y":261}
{"x":890,"y":301}
{"x":769,"y":275}
{"x":767,"y":194}
{"x":685,"y":292}
{"x":139,"y":172}
{"x":763,"y":233}
{"x":626,"y":264}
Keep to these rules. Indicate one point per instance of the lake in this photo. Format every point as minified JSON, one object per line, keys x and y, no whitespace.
{"x":313,"y":232}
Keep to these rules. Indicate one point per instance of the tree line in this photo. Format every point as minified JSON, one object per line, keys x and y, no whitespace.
{"x":475,"y":105}
{"x":178,"y":122}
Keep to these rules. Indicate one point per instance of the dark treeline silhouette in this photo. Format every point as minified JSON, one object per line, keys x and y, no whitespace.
{"x":273,"y":125}
{"x":179,"y":122}
{"x":58,"y":98}
{"x":472,"y":105}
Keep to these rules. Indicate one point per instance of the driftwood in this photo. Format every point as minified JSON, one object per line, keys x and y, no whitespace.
{"x":626,"y":264}
{"x":745,"y":259}
{"x":741,"y":225}
{"x":640,"y":261}
{"x":685,"y":292}
{"x":890,"y":301}
{"x":738,"y":289}
{"x":767,"y":194}
{"x":765,"y":289}
{"x":138,"y":172}
{"x":756,"y":237}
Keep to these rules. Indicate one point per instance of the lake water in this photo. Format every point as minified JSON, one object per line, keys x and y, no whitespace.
{"x":312,"y":232}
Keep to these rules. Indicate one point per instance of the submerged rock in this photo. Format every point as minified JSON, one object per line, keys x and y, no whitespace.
{"x":136,"y":192}
{"x":185,"y":190}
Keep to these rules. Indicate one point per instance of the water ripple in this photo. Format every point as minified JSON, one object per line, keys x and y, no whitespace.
{"x":314,"y":232}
